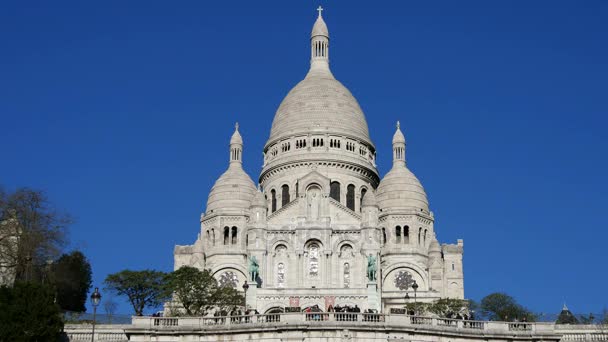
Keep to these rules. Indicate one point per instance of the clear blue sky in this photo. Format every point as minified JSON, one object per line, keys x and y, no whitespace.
{"x":122,"y":112}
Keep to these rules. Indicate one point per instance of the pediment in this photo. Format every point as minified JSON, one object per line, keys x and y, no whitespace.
{"x":296,"y":213}
{"x":314,"y":177}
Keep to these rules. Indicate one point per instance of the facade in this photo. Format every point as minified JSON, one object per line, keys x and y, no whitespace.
{"x":322,"y":227}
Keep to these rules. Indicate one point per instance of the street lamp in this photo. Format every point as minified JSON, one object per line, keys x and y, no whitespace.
{"x":415,"y":287}
{"x":95,"y":299}
{"x":245,"y":288}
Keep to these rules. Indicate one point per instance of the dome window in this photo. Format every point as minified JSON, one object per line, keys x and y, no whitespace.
{"x":284,"y":195}
{"x":226,"y":235}
{"x":273,"y":195}
{"x":363,"y":192}
{"x":334,"y":190}
{"x":234,"y":235}
{"x":350,"y":197}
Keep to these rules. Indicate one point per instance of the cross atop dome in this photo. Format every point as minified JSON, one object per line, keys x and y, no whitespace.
{"x":320,"y":9}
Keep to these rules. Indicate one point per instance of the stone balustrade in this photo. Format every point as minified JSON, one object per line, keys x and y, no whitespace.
{"x":367,"y":325}
{"x":341,"y":318}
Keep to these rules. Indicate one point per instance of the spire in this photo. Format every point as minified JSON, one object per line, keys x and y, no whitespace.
{"x":236,"y":146}
{"x":398,"y":147}
{"x":319,"y":47}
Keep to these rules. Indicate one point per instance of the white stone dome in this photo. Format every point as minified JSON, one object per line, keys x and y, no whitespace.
{"x":234,"y":190}
{"x":319,"y":103}
{"x":401,"y":190}
{"x":259,"y":200}
{"x":369,"y":200}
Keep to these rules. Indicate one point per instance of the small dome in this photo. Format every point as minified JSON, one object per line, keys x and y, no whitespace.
{"x":434,"y":247}
{"x":398,"y":137}
{"x":259,"y":200}
{"x":369,"y":200}
{"x":400,"y":189}
{"x":234,"y":190}
{"x":236,"y":136}
{"x":320,"y":28}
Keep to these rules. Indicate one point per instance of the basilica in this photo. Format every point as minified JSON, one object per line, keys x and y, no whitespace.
{"x":323,"y":227}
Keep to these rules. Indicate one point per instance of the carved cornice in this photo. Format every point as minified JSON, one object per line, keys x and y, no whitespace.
{"x":366,"y":173}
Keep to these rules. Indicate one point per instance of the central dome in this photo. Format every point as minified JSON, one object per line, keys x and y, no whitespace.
{"x":319,"y":103}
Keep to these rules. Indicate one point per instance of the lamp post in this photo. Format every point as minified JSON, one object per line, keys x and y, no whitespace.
{"x":245,"y":288}
{"x":415,"y":287}
{"x":95,"y":299}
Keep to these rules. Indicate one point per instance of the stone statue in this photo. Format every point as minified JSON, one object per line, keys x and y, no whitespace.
{"x":254,"y":268}
{"x":371,"y":268}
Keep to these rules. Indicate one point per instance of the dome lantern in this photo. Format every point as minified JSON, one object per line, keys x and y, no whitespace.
{"x":236,"y":146}
{"x":398,"y":146}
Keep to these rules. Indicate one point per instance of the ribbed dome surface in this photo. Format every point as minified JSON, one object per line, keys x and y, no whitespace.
{"x":259,"y":200}
{"x":234,"y":190}
{"x":369,"y":200}
{"x":400,"y":189}
{"x":319,"y":103}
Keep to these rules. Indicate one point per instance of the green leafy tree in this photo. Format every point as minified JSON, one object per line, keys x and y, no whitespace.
{"x":31,"y":233}
{"x":144,"y":289}
{"x":451,"y":308}
{"x":28,"y":313}
{"x":198,"y":291}
{"x":226,"y":297}
{"x":193,"y":289}
{"x":71,"y":275}
{"x":502,"y":307}
{"x":418,"y":308}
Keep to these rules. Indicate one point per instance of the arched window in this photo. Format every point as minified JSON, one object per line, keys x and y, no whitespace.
{"x":213,"y":236}
{"x":273,"y":198}
{"x":406,"y":234}
{"x":398,"y":234}
{"x":247,"y":240}
{"x":234,"y":231}
{"x":419,"y":233}
{"x":208,"y":238}
{"x":284,"y":195}
{"x":425,"y":232}
{"x":334,"y":191}
{"x":313,"y":259}
{"x":383,"y":236}
{"x":346,"y":275}
{"x":363,"y":192}
{"x":280,"y":274}
{"x":350,"y":197}
{"x":226,"y":235}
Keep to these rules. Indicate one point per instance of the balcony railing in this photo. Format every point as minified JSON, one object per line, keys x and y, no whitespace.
{"x":343,"y":318}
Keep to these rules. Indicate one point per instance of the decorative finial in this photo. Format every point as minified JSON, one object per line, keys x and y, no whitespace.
{"x":398,"y":124}
{"x":236,"y":126}
{"x":320,"y":9}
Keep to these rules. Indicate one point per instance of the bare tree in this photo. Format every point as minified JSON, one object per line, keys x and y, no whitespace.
{"x":31,"y":232}
{"x":109,"y":306}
